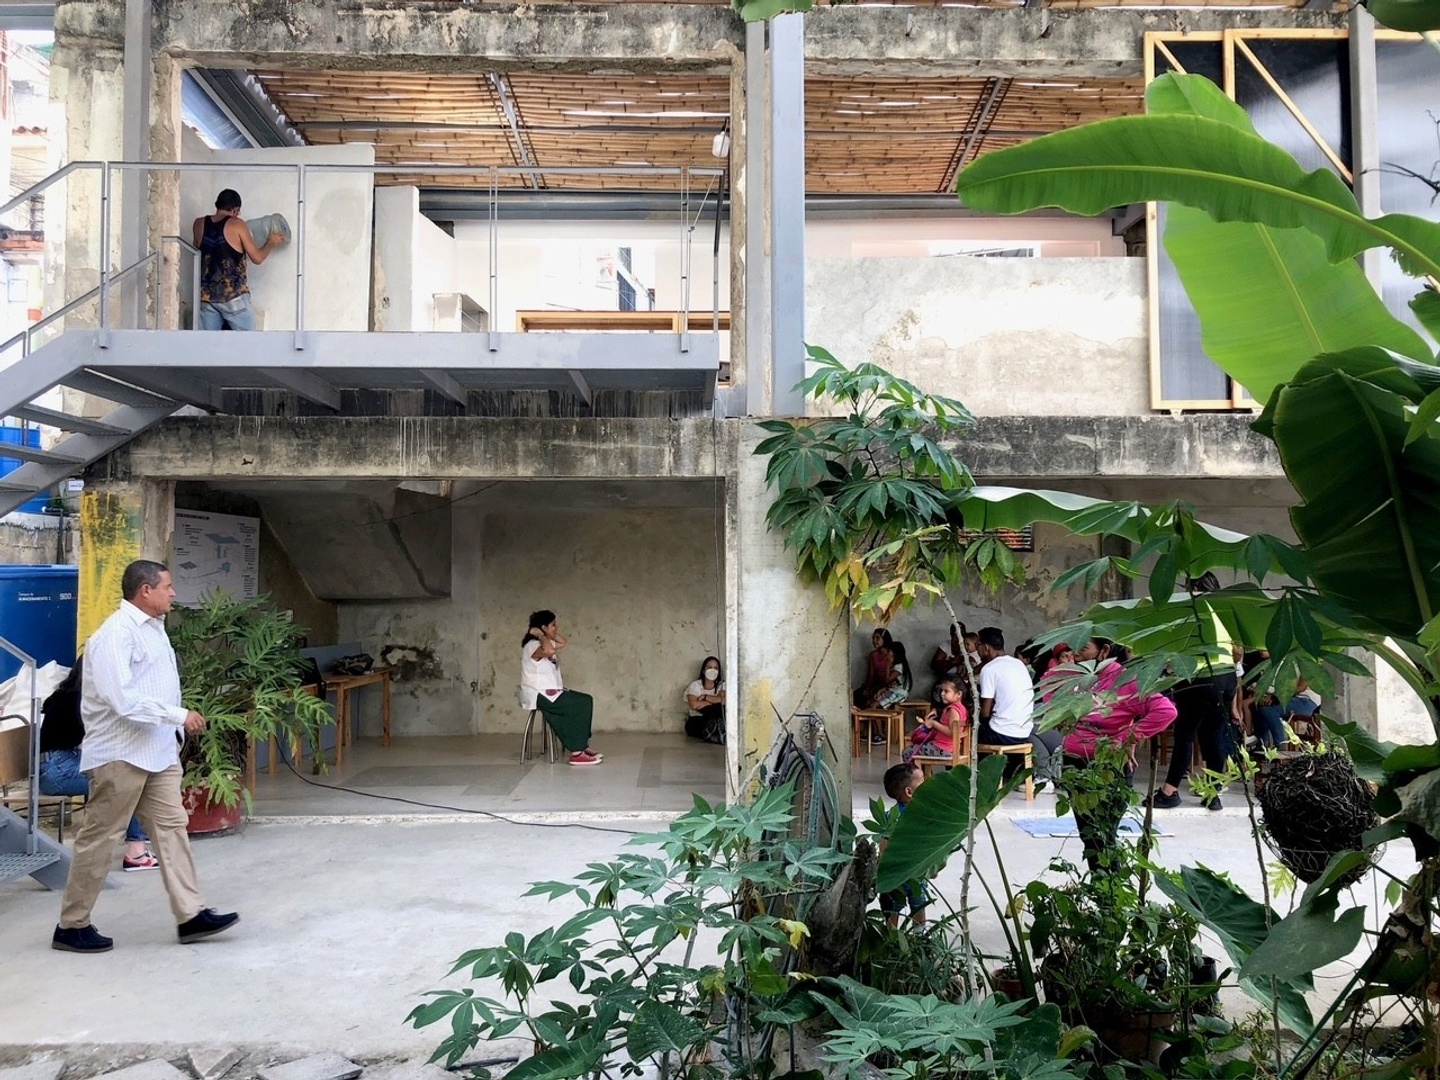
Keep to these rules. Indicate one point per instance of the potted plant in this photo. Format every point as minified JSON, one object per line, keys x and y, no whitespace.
{"x":1112,"y":960}
{"x":240,"y":667}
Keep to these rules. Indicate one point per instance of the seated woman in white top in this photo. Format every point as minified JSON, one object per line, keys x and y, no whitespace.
{"x":706,"y":700}
{"x":568,"y":712}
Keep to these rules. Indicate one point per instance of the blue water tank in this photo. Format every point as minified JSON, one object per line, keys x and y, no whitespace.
{"x":37,"y":614}
{"x":21,"y":436}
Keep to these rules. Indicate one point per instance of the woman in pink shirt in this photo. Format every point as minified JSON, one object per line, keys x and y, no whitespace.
{"x":1125,"y":722}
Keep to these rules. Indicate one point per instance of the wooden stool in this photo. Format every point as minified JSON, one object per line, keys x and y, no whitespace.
{"x":893,"y":719}
{"x":1026,"y":750}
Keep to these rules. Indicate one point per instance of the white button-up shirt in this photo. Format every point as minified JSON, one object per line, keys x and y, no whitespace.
{"x":130,"y":694}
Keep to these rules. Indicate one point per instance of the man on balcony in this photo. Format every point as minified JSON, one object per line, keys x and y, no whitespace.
{"x":225,"y":242}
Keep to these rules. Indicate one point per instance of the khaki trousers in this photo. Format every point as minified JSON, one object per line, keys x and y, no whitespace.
{"x":117,"y":791}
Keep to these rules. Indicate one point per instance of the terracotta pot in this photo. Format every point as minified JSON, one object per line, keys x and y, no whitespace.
{"x":1005,"y":982}
{"x":208,"y":818}
{"x":1135,"y":1036}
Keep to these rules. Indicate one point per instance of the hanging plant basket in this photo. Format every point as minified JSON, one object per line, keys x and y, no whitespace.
{"x":1314,"y":806}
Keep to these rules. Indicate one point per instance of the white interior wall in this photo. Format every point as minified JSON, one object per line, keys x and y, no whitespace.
{"x":557,"y":265}
{"x":336,"y":231}
{"x":639,"y":593}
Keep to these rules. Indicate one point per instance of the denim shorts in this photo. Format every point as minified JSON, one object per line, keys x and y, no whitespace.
{"x":233,"y":314}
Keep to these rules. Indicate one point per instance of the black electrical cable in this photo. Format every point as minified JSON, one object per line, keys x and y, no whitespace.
{"x":454,"y":809}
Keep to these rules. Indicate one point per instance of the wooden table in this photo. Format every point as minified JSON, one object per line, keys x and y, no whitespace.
{"x":655,"y":321}
{"x":344,"y":686}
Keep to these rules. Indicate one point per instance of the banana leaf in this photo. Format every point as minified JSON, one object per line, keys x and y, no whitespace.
{"x":998,"y":507}
{"x":1415,"y":16}
{"x":1269,"y":300}
{"x":1193,"y":158}
{"x":1370,"y":512}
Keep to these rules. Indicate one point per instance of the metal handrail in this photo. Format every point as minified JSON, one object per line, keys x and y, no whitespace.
{"x":40,"y":185}
{"x":25,"y":337}
{"x":32,"y":810}
{"x":303,"y":169}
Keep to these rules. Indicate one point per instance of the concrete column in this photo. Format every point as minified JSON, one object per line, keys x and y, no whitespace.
{"x":786,"y":191}
{"x":109,"y":533}
{"x":87,"y":81}
{"x":741,"y":309}
{"x":119,"y":521}
{"x":748,"y":230}
{"x":1365,"y":128}
{"x":132,"y":206}
{"x":803,"y":669}
{"x":177,"y":268}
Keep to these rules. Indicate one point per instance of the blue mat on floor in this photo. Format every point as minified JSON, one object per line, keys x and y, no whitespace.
{"x":1065,"y":826}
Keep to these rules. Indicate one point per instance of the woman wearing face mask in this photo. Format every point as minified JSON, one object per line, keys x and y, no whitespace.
{"x":706,"y":699}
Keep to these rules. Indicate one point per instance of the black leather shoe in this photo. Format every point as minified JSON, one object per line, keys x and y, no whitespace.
{"x":208,"y":922}
{"x":84,"y":939}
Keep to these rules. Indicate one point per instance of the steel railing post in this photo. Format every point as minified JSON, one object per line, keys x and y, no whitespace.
{"x":490,"y":340}
{"x":104,"y":336}
{"x":299,"y":255}
{"x":684,"y":259}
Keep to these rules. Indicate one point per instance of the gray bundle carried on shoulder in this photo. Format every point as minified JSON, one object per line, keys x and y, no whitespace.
{"x":261,"y":227}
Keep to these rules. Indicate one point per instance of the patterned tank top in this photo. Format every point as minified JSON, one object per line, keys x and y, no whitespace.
{"x":222,"y":268}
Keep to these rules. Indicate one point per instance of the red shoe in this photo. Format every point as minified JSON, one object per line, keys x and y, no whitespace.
{"x":596,"y":754}
{"x":584,"y":757}
{"x":144,"y":862}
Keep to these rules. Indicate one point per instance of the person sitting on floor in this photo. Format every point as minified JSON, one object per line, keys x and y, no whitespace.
{"x":61,"y":733}
{"x":705,"y":698}
{"x":568,"y":712}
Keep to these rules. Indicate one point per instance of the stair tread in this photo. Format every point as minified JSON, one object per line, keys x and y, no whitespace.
{"x":13,"y":867}
{"x":65,"y":422}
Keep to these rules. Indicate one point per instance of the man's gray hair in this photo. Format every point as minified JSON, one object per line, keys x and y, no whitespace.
{"x":138,"y":573}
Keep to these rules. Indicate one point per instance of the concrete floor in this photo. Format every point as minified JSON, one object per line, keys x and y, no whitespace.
{"x":353,"y":907}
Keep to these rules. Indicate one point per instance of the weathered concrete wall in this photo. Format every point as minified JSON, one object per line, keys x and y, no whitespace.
{"x":631,"y":37}
{"x":372,"y":36}
{"x":242,"y":448}
{"x":1030,"y":337}
{"x":31,"y":539}
{"x":639,"y":593}
{"x":938,"y":41}
{"x":336,"y":234}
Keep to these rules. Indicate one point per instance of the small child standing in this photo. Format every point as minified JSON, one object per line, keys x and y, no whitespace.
{"x":900,"y":784}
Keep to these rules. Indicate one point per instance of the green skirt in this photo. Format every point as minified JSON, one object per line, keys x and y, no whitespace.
{"x":569,"y":716}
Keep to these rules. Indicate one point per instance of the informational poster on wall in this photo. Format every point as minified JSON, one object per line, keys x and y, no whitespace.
{"x":215,"y":551}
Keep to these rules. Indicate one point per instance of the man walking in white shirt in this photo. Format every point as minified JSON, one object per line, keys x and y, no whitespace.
{"x":130,"y":702}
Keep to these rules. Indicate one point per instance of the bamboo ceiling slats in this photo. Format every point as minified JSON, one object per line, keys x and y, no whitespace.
{"x":863,"y":134}
{"x":1058,"y":5}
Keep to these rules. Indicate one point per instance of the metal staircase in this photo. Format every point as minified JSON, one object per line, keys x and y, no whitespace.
{"x":24,"y":850}
{"x":56,"y":364}
{"x":44,"y":365}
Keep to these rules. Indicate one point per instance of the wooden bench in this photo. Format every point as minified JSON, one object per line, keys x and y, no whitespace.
{"x":658,"y":321}
{"x":1026,"y":750}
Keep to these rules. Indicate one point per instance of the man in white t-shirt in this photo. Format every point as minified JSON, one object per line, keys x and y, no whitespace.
{"x":1007,"y":696}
